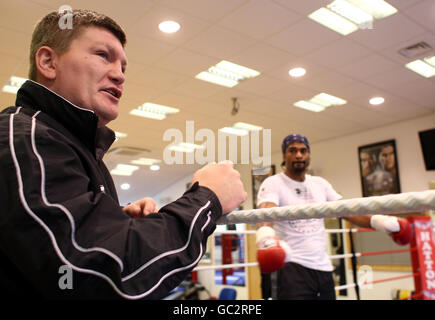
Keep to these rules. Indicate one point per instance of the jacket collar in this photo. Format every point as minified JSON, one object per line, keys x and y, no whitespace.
{"x":82,"y":123}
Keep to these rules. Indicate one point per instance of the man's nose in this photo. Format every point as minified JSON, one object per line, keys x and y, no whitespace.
{"x":116,"y":74}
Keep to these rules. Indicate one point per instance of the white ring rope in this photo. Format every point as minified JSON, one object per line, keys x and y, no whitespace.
{"x":219,"y":233}
{"x":388,"y":204}
{"x":226,"y":266}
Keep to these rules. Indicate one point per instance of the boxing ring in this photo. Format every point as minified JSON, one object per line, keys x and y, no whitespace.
{"x":421,"y":248}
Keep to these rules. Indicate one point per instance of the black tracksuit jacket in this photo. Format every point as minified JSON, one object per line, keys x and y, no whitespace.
{"x":58,"y":207}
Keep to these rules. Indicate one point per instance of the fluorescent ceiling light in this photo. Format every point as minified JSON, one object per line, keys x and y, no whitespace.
{"x":377,"y":8}
{"x":227,"y":74}
{"x":247,"y":126}
{"x":213,"y":78}
{"x":327,"y":100}
{"x":319,"y":102}
{"x":145,"y":161}
{"x":185,"y":147}
{"x":190,"y":145}
{"x":422,"y":68}
{"x":430,"y":60}
{"x":344,"y":16}
{"x":235,"y":131}
{"x":119,"y":135}
{"x":350,"y":11}
{"x":376,"y":101}
{"x":297,"y":72}
{"x":169,"y":26}
{"x":13,"y":85}
{"x":124,"y":170}
{"x":180,"y":149}
{"x":237,"y":69}
{"x":333,"y":21}
{"x":153,"y":111}
{"x":309,"y":106}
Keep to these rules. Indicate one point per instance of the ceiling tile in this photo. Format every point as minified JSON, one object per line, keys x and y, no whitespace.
{"x":421,"y":92}
{"x":303,"y":37}
{"x":185,"y":62}
{"x":394,"y":77}
{"x":304,"y":7}
{"x":210,"y":10}
{"x":258,"y":19}
{"x":148,"y":24}
{"x":146,"y":51}
{"x":197,"y":88}
{"x":367,"y":66}
{"x":254,"y":57}
{"x":423,"y":13}
{"x":384,"y":32}
{"x":330,"y":82}
{"x":338,"y":53}
{"x":16,"y":18}
{"x":219,"y":43}
{"x":261,"y":85}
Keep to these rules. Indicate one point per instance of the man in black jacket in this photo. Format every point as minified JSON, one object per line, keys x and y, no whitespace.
{"x":59,"y":208}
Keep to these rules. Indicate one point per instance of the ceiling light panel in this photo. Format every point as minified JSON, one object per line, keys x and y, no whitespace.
{"x":422,"y":68}
{"x":333,"y":21}
{"x":320,"y":102}
{"x":145,"y":161}
{"x":124,"y":170}
{"x":347,"y":16}
{"x":153,"y":111}
{"x":185,"y":147}
{"x":234,"y":131}
{"x":247,"y":126}
{"x":13,"y":85}
{"x":379,"y":9}
{"x":430,"y":60}
{"x":350,"y":12}
{"x":327,"y":100}
{"x":119,"y":135}
{"x":309,"y":106}
{"x":227,"y":74}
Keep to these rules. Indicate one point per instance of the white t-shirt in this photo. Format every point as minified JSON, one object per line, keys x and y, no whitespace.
{"x":306,"y":237}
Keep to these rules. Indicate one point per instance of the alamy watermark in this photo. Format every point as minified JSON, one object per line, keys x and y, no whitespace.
{"x":66,"y":278}
{"x":365,"y":277}
{"x":66,"y":19}
{"x":248,"y":145}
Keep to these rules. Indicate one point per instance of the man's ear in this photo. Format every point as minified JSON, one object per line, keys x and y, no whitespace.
{"x":45,"y":60}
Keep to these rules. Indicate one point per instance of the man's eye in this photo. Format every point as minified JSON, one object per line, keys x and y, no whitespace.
{"x":102,"y":54}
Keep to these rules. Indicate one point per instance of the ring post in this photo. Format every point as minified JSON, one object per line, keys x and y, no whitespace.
{"x":423,"y":260}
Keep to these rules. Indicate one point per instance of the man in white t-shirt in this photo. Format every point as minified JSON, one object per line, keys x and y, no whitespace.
{"x":307,"y":272}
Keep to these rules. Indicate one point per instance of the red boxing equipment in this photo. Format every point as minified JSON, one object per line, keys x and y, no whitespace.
{"x":404,"y":236}
{"x":270,"y":255}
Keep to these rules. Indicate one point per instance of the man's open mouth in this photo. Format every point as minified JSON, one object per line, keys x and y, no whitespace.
{"x":114,"y":92}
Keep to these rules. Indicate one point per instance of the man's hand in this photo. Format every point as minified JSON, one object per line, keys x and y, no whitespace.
{"x":271,"y":252}
{"x":225,"y":182}
{"x":399,"y":228}
{"x":141,"y":208}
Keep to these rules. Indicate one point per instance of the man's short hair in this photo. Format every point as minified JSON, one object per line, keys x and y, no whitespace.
{"x":48,"y":32}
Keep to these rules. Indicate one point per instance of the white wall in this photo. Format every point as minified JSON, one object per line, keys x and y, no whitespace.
{"x":337,"y":160}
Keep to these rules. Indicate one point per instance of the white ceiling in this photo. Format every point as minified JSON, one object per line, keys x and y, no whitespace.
{"x":270,"y":36}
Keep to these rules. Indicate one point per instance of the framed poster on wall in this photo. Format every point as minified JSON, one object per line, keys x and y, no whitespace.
{"x":379,"y":168}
